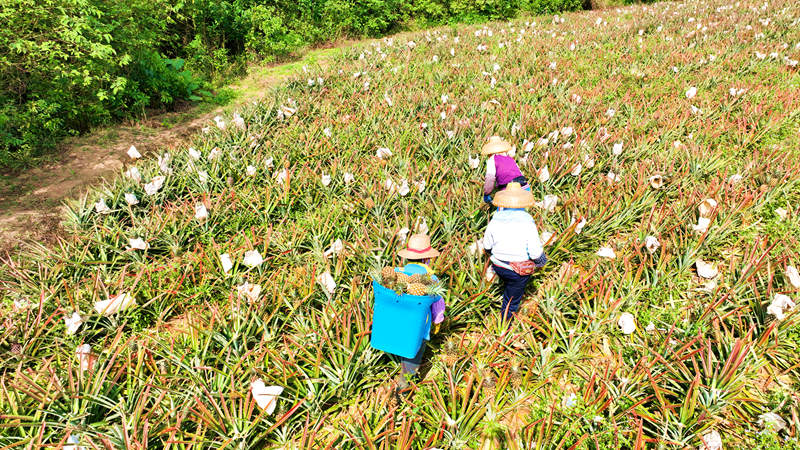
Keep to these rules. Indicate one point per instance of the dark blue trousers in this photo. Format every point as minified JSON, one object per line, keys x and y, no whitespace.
{"x":411,"y":365}
{"x":513,"y":289}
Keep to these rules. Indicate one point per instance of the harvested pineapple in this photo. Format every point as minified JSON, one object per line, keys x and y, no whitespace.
{"x":388,"y":274}
{"x":403,"y":278}
{"x":417,"y":289}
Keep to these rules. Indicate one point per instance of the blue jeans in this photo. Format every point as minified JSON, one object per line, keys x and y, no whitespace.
{"x":513,"y":290}
{"x":411,"y":365}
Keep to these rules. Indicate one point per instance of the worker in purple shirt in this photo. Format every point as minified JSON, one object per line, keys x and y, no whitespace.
{"x":501,"y":168}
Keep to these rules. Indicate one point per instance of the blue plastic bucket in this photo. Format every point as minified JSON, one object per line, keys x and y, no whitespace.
{"x":399,"y":321}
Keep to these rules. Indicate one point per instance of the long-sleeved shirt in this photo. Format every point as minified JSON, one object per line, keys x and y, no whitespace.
{"x":500,"y":170}
{"x":512,"y":236}
{"x":438,"y":307}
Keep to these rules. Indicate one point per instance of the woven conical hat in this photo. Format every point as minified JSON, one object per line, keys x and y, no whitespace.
{"x":419,"y":247}
{"x":513,"y":196}
{"x":496,"y":144}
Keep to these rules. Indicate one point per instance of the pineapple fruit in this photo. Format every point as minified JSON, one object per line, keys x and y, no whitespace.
{"x":403,"y":278}
{"x":388,"y":274}
{"x":417,"y":289}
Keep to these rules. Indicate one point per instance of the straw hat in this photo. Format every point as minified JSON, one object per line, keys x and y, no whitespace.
{"x":419,"y":247}
{"x":496,"y":144}
{"x":513,"y":196}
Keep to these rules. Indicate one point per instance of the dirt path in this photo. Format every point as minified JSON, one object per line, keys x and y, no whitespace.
{"x":30,"y":202}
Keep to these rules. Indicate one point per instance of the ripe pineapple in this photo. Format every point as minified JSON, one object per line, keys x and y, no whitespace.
{"x":416,"y":278}
{"x":417,"y":289}
{"x":425,"y":279}
{"x":403,"y":278}
{"x":388,"y":274}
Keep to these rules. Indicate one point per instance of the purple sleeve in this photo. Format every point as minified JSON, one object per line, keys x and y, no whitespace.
{"x":437,"y":310}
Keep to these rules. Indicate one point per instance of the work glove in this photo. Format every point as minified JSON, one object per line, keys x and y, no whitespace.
{"x":487,"y":198}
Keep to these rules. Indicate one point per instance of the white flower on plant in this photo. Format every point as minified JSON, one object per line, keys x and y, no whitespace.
{"x":706,"y":270}
{"x":202,"y":176}
{"x":576,"y":170}
{"x":133,"y":174}
{"x":771,"y":421}
{"x":490,"y":274}
{"x":543,"y":174}
{"x":702,"y":225}
{"x":336,"y":247}
{"x":84,"y":355}
{"x":793,"y":276}
{"x":250,"y":171}
{"x":238,"y":120}
{"x":327,"y":132}
{"x":154,"y":185}
{"x":194,"y":154}
{"x":101,"y":207}
{"x":281,"y":176}
{"x":450,"y":134}
{"x":445,"y":98}
{"x":420,"y":185}
{"x":706,"y":207}
{"x":220,"y":123}
{"x":131,"y":199}
{"x":711,"y":441}
{"x":73,"y":443}
{"x":610,"y":112}
{"x":133,"y":153}
{"x":577,"y":98}
{"x":782,"y":213}
{"x":73,"y":322}
{"x":579,"y":226}
{"x":695,"y":110}
{"x":411,"y":44}
{"x":115,"y":304}
{"x":548,"y":203}
{"x":617,"y":149}
{"x":627,"y":323}
{"x":474,"y":162}
{"x":606,"y":252}
{"x":214,"y":153}
{"x":735,"y":178}
{"x":327,"y":282}
{"x":656,"y":181}
{"x":552,"y":65}
{"x":650,"y":327}
{"x":570,"y":400}
{"x":779,"y":303}
{"x":527,"y":146}
{"x":266,"y":397}
{"x":383,"y":153}
{"x":566,"y":131}
{"x":325,"y":179}
{"x":652,"y":244}
{"x":613,"y":177}
{"x":588,"y":162}
{"x":691,"y":92}
{"x":348,"y":178}
{"x":422,"y":226}
{"x":734,"y":92}
{"x":388,"y":100}
{"x":269,"y":162}
{"x":476,"y":247}
{"x":137,"y":244}
{"x":252,"y":258}
{"x":402,"y":234}
{"x":200,"y":211}
{"x":248,"y":291}
{"x":163,"y":163}
{"x":227,"y":264}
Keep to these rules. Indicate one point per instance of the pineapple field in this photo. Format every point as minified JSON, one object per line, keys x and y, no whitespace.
{"x":219,"y":295}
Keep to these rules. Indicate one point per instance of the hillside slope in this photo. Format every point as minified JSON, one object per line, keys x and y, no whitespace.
{"x":667,"y":133}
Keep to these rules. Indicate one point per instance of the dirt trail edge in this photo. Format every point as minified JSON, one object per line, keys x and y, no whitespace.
{"x":31,"y":201}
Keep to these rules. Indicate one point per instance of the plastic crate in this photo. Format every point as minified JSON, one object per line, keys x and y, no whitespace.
{"x":399,"y":321}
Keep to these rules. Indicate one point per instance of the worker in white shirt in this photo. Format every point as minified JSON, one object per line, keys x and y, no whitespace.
{"x":513,"y":240}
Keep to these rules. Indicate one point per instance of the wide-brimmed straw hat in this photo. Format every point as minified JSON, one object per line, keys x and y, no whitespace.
{"x":496,"y":144}
{"x":419,"y":247}
{"x":513,"y":196}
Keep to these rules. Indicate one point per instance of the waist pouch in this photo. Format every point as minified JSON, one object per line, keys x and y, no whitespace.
{"x":523,"y":268}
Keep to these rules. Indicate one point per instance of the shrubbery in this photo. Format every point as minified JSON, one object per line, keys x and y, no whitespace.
{"x":68,"y":65}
